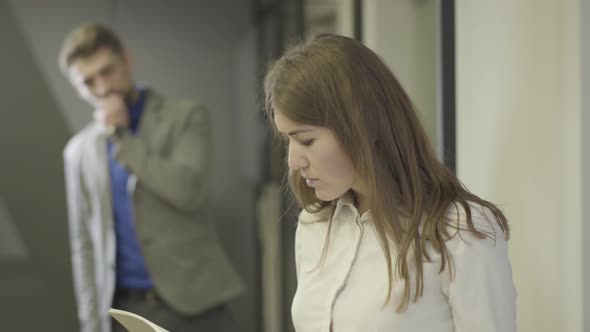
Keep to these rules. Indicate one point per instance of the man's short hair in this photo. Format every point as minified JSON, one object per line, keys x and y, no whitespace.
{"x":84,"y":41}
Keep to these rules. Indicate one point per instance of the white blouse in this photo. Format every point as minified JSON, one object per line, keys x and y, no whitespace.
{"x":350,"y":288}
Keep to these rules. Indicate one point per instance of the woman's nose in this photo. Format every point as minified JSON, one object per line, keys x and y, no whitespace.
{"x":296,"y":160}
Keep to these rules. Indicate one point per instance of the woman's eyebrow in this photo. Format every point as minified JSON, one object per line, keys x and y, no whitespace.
{"x":299,"y":131}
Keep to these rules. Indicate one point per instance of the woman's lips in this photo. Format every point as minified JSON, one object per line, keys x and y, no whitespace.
{"x":311,"y":182}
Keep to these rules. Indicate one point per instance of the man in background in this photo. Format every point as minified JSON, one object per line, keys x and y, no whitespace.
{"x":136,"y":191}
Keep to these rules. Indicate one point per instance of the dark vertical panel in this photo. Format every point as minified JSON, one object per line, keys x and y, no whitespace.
{"x":358,"y":20}
{"x":292,"y":27}
{"x":269,"y":33}
{"x":278,"y":23}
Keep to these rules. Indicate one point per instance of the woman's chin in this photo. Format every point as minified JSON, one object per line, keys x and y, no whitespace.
{"x":326,"y":196}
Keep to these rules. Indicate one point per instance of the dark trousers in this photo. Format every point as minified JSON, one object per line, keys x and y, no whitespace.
{"x":149,"y":305}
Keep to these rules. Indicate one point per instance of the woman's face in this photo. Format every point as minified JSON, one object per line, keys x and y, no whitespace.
{"x":316,"y":154}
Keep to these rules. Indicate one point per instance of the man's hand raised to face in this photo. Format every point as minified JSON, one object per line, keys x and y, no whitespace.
{"x":111,"y":111}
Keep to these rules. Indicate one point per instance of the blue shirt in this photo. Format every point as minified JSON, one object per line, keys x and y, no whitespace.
{"x":131,"y":269}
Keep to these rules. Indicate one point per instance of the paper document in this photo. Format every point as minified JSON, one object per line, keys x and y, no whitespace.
{"x":133,"y":322}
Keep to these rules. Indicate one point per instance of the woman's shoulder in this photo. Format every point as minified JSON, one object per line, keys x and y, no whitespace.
{"x":474,"y":224}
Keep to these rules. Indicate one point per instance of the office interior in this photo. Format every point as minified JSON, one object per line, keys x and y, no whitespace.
{"x":501,"y":87}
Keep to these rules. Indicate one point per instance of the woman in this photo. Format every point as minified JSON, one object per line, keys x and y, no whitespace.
{"x":388,"y":239}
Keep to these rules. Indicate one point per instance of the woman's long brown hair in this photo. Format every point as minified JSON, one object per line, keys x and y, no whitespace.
{"x":338,"y":83}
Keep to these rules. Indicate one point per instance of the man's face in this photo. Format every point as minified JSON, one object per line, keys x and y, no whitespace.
{"x":97,"y":76}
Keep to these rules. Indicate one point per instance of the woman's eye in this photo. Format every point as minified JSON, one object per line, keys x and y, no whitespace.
{"x":307,"y":142}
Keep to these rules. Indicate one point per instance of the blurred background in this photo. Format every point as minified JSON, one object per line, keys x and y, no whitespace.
{"x":501,"y":86}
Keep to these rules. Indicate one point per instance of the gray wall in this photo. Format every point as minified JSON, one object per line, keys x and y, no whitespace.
{"x":35,"y":281}
{"x":585,"y":123}
{"x":197,"y":49}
